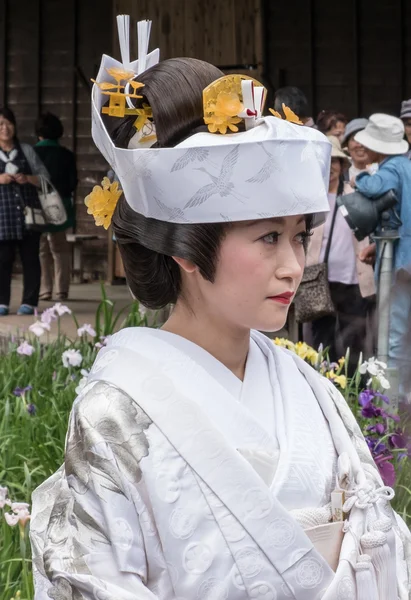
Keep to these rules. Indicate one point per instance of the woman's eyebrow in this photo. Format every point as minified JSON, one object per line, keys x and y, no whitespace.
{"x":274,"y":220}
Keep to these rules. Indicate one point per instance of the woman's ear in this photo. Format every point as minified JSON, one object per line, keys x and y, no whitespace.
{"x":186,"y":265}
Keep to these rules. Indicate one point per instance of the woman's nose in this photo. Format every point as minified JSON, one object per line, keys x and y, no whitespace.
{"x":290,"y":265}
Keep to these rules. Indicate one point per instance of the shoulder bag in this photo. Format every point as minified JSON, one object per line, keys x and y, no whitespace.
{"x":52,"y":211}
{"x":313,"y":299}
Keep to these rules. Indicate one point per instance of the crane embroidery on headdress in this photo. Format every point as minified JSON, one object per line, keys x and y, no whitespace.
{"x":221,"y":184}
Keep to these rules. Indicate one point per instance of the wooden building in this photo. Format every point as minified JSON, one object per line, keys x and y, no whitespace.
{"x":353,"y":55}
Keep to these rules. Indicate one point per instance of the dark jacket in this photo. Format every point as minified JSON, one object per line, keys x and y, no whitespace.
{"x":61,"y":165}
{"x":14,"y":197}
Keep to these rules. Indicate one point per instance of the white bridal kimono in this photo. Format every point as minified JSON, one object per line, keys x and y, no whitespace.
{"x":183,"y":483}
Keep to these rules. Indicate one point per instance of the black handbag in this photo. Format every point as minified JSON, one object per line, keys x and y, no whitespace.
{"x":313,"y":299}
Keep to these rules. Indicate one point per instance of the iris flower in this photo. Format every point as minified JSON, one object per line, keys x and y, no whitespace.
{"x":386,"y":468}
{"x":18,"y":391}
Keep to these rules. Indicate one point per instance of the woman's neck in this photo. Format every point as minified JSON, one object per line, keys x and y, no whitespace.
{"x":6,"y":146}
{"x":227,"y":345}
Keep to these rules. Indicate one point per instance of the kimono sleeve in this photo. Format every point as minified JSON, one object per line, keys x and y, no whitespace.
{"x":86,"y":531}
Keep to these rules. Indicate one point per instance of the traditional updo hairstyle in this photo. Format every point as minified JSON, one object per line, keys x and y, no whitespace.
{"x":173,"y":88}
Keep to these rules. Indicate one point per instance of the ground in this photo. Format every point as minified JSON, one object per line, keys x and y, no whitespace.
{"x":84,"y":300}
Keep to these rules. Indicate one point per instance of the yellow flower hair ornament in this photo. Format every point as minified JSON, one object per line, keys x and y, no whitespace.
{"x":289,"y":115}
{"x":102,"y":201}
{"x":224,"y":113}
{"x":230,"y":100}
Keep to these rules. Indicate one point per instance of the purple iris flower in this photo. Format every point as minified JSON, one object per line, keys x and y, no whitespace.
{"x":366,"y":397}
{"x":378,"y":428}
{"x":380,"y":447}
{"x":386,"y":468}
{"x":21,"y":391}
{"x":375,"y":446}
{"x":400,"y":440}
{"x":31,"y":409}
{"x":383,"y":397}
{"x":369,"y":411}
{"x":371,"y":442}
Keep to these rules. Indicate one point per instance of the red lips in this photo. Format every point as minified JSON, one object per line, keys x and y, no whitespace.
{"x":284,"y":298}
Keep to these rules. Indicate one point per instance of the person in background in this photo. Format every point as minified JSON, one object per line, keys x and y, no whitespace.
{"x":384,"y":140}
{"x":20,"y":171}
{"x":54,"y":247}
{"x":357,"y":152}
{"x":405,"y":116}
{"x":295,"y":99}
{"x":351,"y":281}
{"x":332,"y":122}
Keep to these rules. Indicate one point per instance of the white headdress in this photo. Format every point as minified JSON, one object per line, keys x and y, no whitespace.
{"x":273,"y":168}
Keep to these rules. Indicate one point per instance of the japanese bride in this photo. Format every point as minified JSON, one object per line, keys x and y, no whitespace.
{"x":202,"y":461}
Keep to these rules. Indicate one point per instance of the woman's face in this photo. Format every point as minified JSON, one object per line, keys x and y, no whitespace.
{"x":373,"y":157}
{"x":335,"y":171}
{"x":357,"y":151}
{"x":338,"y":130}
{"x":260,"y":267}
{"x":6,"y":130}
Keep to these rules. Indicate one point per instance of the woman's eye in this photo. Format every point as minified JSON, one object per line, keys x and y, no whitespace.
{"x":271,"y":238}
{"x":303,"y":237}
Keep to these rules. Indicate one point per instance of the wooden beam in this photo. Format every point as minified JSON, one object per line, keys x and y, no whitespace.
{"x":312,"y":56}
{"x":403,"y":49}
{"x":39,"y":53}
{"x":74,"y":111}
{"x":357,"y":55}
{"x":258,"y":36}
{"x":3,"y":49}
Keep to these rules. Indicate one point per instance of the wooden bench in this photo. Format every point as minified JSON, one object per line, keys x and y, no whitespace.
{"x":78,"y":239}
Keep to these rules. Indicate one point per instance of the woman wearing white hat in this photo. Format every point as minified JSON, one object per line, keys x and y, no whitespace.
{"x":201,"y":458}
{"x":384,"y":140}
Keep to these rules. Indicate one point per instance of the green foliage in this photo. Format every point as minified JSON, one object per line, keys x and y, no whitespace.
{"x":33,"y":425}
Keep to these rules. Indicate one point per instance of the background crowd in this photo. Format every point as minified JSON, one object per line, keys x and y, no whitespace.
{"x":372,"y":156}
{"x":368,"y":154}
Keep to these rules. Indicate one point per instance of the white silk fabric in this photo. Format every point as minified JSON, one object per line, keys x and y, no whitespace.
{"x":162,"y":495}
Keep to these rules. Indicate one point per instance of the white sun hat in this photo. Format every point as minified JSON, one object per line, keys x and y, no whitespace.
{"x":383,"y":134}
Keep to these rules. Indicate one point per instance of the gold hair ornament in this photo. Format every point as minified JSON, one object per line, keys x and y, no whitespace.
{"x":289,"y":115}
{"x":102,"y":201}
{"x":225,"y":104}
{"x":117,"y":105}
